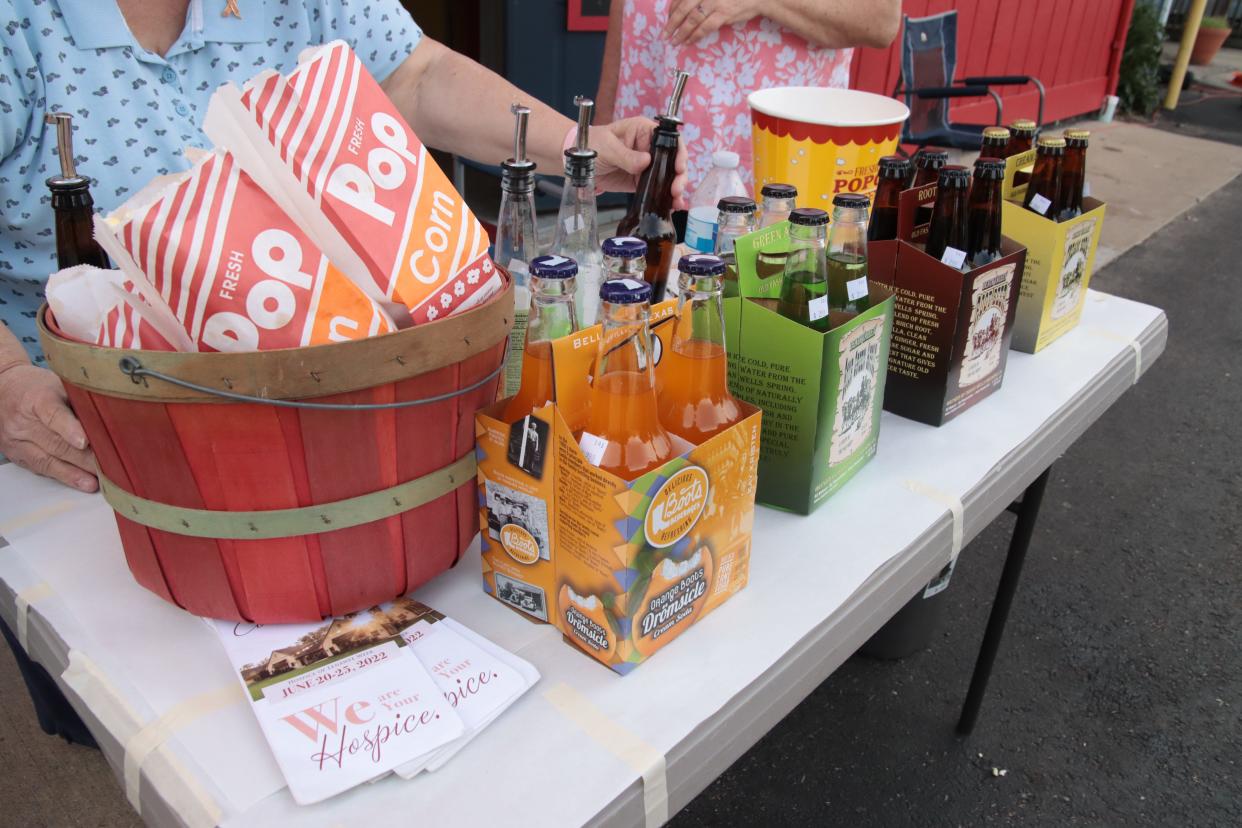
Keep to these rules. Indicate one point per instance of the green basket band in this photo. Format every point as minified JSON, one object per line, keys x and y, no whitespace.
{"x":287,"y":523}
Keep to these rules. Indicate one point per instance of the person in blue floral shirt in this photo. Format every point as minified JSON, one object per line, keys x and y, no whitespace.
{"x":137,"y":75}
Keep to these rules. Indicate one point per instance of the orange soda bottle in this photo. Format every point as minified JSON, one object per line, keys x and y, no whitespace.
{"x":623,"y":431}
{"x":695,"y":402}
{"x":552,"y":315}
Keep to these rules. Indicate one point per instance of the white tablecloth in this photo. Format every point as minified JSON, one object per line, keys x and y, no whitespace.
{"x":586,"y":745}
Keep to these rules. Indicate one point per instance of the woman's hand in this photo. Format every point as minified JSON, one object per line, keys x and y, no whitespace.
{"x":692,"y":20}
{"x":38,"y":431}
{"x":624,"y":152}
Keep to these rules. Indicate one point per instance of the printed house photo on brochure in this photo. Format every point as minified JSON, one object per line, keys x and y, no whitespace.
{"x":620,"y":567}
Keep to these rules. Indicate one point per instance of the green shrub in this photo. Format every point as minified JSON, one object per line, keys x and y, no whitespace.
{"x":1138,"y":86}
{"x":1214,"y":23}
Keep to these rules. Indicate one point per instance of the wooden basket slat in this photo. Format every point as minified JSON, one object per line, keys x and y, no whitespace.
{"x":156,"y":464}
{"x":139,"y":550}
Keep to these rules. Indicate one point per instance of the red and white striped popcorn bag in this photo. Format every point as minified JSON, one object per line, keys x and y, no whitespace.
{"x":333,"y":149}
{"x":237,"y":272}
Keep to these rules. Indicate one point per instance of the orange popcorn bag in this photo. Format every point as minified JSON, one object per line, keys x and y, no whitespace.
{"x":236,"y":271}
{"x":335,"y":152}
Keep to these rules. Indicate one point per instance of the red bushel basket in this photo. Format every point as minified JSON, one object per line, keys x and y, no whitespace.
{"x":290,"y":485}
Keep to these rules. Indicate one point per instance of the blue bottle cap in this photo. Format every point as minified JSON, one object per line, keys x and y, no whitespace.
{"x":625,"y":291}
{"x":553,"y":267}
{"x":701,"y":264}
{"x":625,"y":247}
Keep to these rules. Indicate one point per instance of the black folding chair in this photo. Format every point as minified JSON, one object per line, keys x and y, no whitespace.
{"x":928,"y":63}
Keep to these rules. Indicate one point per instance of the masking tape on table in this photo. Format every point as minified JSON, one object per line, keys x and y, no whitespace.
{"x":953,"y":503}
{"x":182,"y":792}
{"x":37,"y":516}
{"x":1134,"y":344}
{"x":22,"y":603}
{"x":151,"y":736}
{"x":648,"y":762}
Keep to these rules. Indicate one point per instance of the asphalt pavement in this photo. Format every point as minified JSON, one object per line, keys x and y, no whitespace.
{"x":1117,"y":694}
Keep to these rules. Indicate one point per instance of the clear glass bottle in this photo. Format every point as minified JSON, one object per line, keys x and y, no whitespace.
{"x":779,"y":200}
{"x":804,"y":288}
{"x":736,"y":218}
{"x":695,"y":402}
{"x":847,"y":254}
{"x":577,"y":228}
{"x":517,"y":241}
{"x":625,"y":257}
{"x":552,"y":315}
{"x":623,"y":424}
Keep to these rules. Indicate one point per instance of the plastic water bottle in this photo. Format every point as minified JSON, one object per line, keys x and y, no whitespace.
{"x":722,"y":181}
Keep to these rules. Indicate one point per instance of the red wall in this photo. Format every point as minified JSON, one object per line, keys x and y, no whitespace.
{"x":1073,"y":46}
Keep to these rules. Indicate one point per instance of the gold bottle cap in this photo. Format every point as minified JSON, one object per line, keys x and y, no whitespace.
{"x":1049,"y":142}
{"x":1078,"y":134}
{"x":996,"y":132}
{"x":1023,"y":124}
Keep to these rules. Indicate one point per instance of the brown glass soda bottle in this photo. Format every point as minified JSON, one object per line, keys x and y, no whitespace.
{"x":1073,"y":174}
{"x":927,"y":166}
{"x":983,"y":223}
{"x":72,"y":204}
{"x":1043,"y":192}
{"x":650,"y":216}
{"x":1021,"y":136}
{"x":894,"y":171}
{"x":948,"y":222}
{"x":995,"y":141}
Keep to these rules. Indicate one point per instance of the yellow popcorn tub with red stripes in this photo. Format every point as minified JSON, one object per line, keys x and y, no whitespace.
{"x":823,"y":141}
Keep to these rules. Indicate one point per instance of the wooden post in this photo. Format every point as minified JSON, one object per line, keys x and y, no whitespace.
{"x":1193,"y":18}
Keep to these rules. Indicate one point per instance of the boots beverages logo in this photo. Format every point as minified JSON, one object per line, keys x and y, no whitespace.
{"x":676,"y":507}
{"x":988,"y":314}
{"x":520,"y":544}
{"x":859,"y":369}
{"x":1073,"y":268}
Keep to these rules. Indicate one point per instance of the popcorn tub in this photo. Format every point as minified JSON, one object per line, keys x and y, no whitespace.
{"x":823,"y":141}
{"x":289,"y":485}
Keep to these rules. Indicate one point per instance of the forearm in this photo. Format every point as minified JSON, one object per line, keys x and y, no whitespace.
{"x":606,"y":98}
{"x":11,"y":351}
{"x":455,"y":104}
{"x":838,"y":24}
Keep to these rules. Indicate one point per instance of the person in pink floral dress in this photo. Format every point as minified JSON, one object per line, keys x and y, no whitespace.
{"x":730,"y":48}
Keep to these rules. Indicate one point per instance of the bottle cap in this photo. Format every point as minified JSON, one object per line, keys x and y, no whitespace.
{"x":1077,"y":134}
{"x":852,"y":201}
{"x":1023,"y":125}
{"x":808,"y":217}
{"x":1048,"y":142}
{"x":996,"y":133}
{"x":553,"y":267}
{"x":735,"y":204}
{"x":701,"y":264}
{"x":779,"y":191}
{"x":727,"y":159}
{"x":625,"y":247}
{"x":954,"y":177}
{"x":932,"y":158}
{"x":894,"y":166}
{"x":625,"y":292}
{"x":990,"y":169}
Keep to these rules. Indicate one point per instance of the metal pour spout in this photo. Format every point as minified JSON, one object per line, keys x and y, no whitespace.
{"x":63,"y":122}
{"x":586,"y":110}
{"x":522,"y":116}
{"x":673,"y":111}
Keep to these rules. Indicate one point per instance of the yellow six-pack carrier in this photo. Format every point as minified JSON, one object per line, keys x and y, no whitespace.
{"x":621,"y":568}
